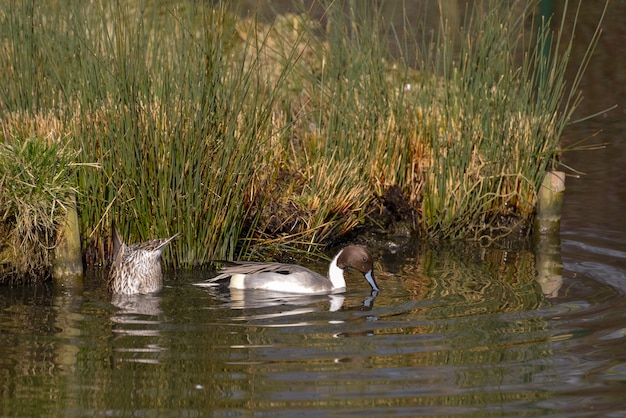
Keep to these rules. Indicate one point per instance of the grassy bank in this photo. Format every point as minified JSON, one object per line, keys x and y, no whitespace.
{"x":251,"y":137}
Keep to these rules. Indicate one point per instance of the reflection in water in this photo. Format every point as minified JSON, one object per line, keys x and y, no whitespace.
{"x":476,"y":335}
{"x":289,"y":302}
{"x":454,"y":330}
{"x":131,"y":305}
{"x":138,"y":316}
{"x":549,"y":265}
{"x":475,"y":281}
{"x":39,"y":345}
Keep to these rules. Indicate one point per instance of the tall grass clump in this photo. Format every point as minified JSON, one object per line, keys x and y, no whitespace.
{"x":36,"y":190}
{"x":168,"y":101}
{"x":349,"y":134}
{"x":193,"y":132}
{"x":498,"y":106}
{"x":465,"y":120}
{"x":182,"y":128}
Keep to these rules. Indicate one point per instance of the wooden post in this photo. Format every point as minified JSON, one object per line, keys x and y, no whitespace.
{"x":549,"y":203}
{"x":547,"y":233}
{"x":67,"y":268}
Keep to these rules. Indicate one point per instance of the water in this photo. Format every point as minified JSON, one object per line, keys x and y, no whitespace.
{"x":455,"y":331}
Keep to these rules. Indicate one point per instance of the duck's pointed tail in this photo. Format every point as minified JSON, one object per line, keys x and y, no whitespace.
{"x":163,"y":242}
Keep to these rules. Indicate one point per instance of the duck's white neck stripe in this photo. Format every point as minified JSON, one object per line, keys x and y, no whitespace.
{"x":335,"y":274}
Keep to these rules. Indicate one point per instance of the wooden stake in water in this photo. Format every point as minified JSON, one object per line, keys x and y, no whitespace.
{"x":547,"y":233}
{"x":67,"y":268}
{"x":549,"y":203}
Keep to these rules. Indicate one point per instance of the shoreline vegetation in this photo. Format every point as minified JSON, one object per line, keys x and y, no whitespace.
{"x":252,"y":138}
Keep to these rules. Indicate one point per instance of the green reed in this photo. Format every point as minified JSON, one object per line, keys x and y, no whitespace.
{"x":186,"y":136}
{"x":344,"y":114}
{"x":35,"y":192}
{"x":502,"y":105}
{"x":466,"y":120}
{"x":169,"y":107}
{"x":244,"y":136}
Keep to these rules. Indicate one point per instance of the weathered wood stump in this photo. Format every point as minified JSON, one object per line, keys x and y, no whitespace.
{"x":67,"y":268}
{"x":547,"y":233}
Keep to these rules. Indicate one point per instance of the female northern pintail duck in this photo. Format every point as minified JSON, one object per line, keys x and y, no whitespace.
{"x":289,"y":278}
{"x":137,"y":268}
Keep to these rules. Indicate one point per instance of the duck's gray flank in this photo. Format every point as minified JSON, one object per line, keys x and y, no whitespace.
{"x":137,"y":268}
{"x":281,"y":277}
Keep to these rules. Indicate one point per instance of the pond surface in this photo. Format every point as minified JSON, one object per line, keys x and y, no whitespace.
{"x":454,"y":331}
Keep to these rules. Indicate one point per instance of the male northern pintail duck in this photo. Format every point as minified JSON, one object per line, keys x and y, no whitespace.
{"x":137,"y":268}
{"x":290,"y":278}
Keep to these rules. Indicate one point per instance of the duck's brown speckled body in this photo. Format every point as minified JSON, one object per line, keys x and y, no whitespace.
{"x":136,"y":268}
